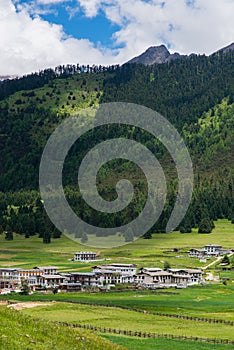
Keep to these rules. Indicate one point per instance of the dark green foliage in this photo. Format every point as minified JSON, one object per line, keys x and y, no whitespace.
{"x":25,"y":289}
{"x":206,"y":226}
{"x":180,"y":91}
{"x":147,"y":235}
{"x":184,"y":229}
{"x":46,"y":236}
{"x":225,"y":260}
{"x":195,"y":94}
{"x":9,"y":235}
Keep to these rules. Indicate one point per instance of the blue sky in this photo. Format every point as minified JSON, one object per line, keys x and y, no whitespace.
{"x":45,"y":33}
{"x":71,"y":16}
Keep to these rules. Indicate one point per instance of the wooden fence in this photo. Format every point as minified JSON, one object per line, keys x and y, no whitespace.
{"x":184,"y":317}
{"x":145,"y":334}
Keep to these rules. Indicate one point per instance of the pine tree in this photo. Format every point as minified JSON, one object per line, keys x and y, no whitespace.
{"x":25,"y":289}
{"x":206,"y":226}
{"x":147,"y":235}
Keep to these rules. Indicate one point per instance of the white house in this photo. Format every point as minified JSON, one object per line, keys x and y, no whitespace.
{"x":50,"y":280}
{"x":107,"y":277}
{"x":158,"y":278}
{"x":194,"y":275}
{"x":213,"y":249}
{"x":123,"y":269}
{"x":85,"y":256}
{"x":85,"y":278}
{"x":9,"y":278}
{"x":197,"y":253}
{"x":47,"y":270}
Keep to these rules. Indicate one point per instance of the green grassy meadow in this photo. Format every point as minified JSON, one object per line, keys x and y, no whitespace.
{"x":32,"y":252}
{"x":128,"y":320}
{"x":68,"y":95}
{"x":163,"y":344}
{"x":18,"y":332}
{"x":211,"y":301}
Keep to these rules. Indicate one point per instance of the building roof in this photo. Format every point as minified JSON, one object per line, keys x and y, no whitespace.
{"x":110,"y":266}
{"x":52,"y":276}
{"x":85,"y":253}
{"x":10,"y":269}
{"x":109,"y":272}
{"x":156,"y":273}
{"x":181,"y":276}
{"x":151,"y":269}
{"x":30,"y":270}
{"x":198,"y":250}
{"x":46,"y":267}
{"x":187,"y":270}
{"x":123,"y":265}
{"x":83,"y":274}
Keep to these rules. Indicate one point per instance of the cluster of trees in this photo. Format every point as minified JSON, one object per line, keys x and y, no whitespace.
{"x":39,"y":79}
{"x":25,"y":215}
{"x":180,"y":90}
{"x":185,"y":91}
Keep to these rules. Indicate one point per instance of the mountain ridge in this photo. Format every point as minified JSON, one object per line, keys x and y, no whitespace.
{"x":160,"y":54}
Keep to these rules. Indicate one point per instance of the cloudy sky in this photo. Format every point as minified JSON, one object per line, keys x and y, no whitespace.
{"x":36,"y":34}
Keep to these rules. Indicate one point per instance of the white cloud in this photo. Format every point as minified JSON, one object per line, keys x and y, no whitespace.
{"x":30,"y":43}
{"x":200,"y":26}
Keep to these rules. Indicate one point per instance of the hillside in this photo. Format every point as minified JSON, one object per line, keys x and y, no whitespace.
{"x":195,"y":94}
{"x":22,"y":332}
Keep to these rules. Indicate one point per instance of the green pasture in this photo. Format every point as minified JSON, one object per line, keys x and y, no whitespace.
{"x":18,"y":332}
{"x":163,"y":344}
{"x":68,"y":95}
{"x":128,"y":320}
{"x":32,"y":252}
{"x":211,"y":301}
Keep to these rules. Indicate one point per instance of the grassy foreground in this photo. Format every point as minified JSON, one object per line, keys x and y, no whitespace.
{"x":18,"y":332}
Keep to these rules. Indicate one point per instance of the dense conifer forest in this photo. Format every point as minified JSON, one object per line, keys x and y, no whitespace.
{"x":195,"y":94}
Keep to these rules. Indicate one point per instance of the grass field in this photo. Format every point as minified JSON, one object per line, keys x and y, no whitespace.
{"x":62,"y":95}
{"x":18,"y":332}
{"x":212,"y":301}
{"x":163,"y":344}
{"x":32,"y":252}
{"x":128,"y":320}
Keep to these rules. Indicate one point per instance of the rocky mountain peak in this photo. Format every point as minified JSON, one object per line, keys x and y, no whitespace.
{"x":155,"y":55}
{"x":227,"y":48}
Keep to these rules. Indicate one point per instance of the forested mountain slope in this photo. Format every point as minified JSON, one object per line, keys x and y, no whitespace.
{"x":195,"y":94}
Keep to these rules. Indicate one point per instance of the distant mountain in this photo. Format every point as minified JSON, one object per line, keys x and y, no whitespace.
{"x":160,"y":54}
{"x":227,"y":48}
{"x":7,"y":77}
{"x":155,"y":55}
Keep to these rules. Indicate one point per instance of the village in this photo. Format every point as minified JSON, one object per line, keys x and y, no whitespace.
{"x":48,"y":278}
